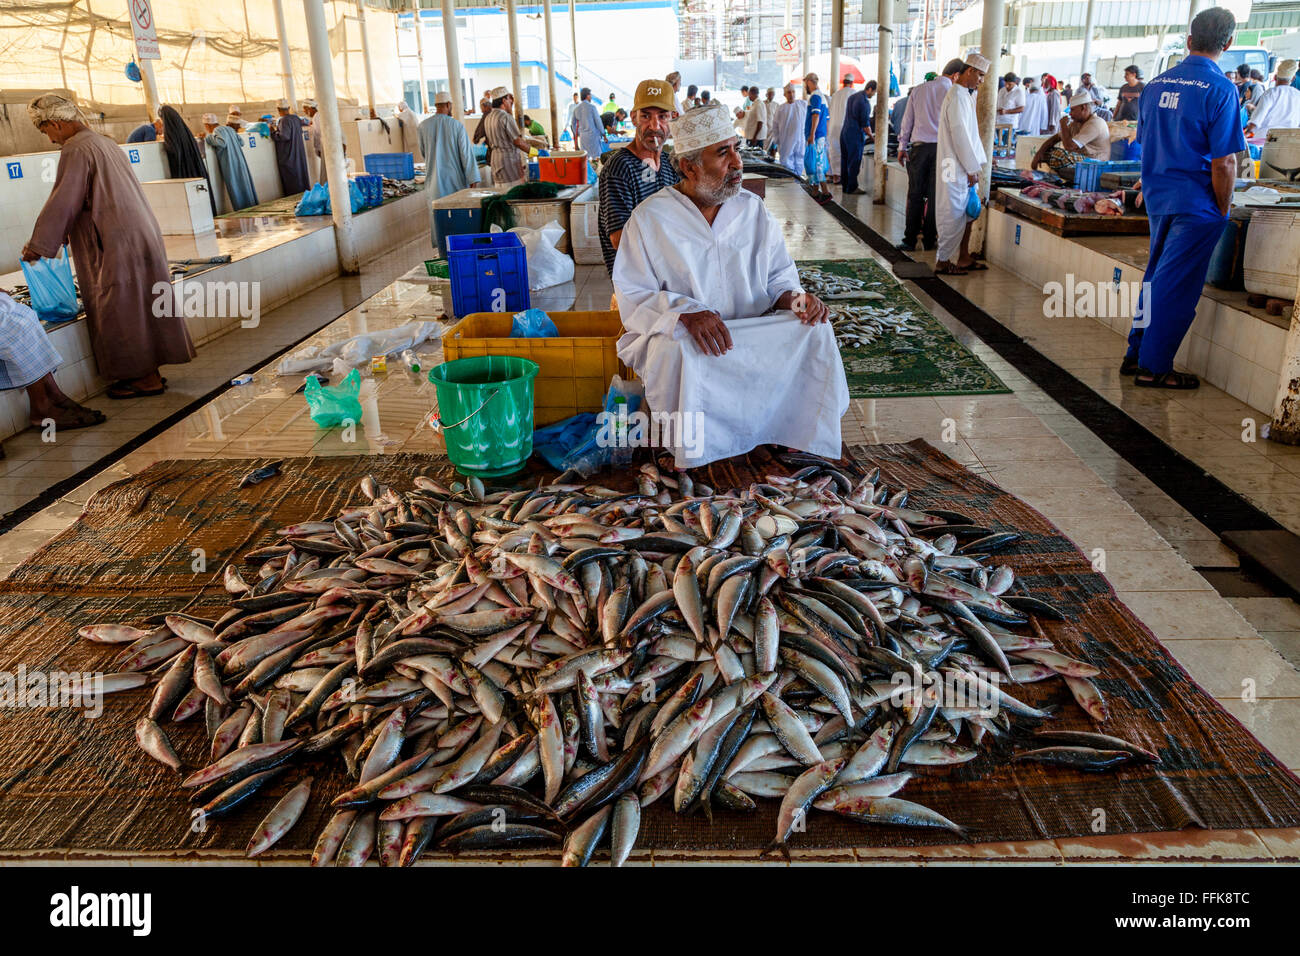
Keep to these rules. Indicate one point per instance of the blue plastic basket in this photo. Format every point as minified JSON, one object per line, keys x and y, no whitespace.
{"x":392,"y":165}
{"x":456,"y":222}
{"x":489,"y":273}
{"x":372,"y":189}
{"x":1087,"y":172}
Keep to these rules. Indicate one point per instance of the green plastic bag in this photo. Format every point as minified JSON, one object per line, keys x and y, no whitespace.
{"x":334,"y":405}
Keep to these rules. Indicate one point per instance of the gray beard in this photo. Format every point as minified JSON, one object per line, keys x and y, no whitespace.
{"x":717,"y":195}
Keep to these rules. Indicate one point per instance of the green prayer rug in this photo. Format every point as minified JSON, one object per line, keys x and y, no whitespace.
{"x":926,"y":360}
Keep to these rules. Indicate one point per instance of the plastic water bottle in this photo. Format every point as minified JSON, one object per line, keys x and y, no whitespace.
{"x":621,"y":454}
{"x":411,"y":360}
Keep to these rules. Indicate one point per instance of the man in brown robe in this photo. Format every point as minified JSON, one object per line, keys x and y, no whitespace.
{"x":98,"y":206}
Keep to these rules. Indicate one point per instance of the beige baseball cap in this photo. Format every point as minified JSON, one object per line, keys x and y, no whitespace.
{"x":654,"y":93}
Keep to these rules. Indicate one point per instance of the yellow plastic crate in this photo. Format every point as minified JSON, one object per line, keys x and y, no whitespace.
{"x":575,"y":367}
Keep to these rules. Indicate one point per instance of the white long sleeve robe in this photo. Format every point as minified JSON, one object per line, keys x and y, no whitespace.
{"x":839,"y":104}
{"x":960,"y":154}
{"x":788,"y":134}
{"x":781,"y":382}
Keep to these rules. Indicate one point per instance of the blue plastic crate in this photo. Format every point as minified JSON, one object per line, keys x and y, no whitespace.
{"x":533,"y":168}
{"x":456,"y":222}
{"x":372,"y":189}
{"x":483,"y":266}
{"x":392,"y":165}
{"x":1087,"y":172}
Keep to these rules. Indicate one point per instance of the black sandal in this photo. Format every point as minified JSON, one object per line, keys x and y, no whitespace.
{"x":124,"y":389}
{"x":1129,"y":366}
{"x":1179,"y":381}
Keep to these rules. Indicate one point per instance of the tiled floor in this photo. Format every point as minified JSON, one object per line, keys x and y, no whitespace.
{"x":1208,"y":426}
{"x":1023,"y":441}
{"x":32,"y":464}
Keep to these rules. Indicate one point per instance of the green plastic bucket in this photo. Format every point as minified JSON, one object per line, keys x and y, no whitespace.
{"x":485,"y":412}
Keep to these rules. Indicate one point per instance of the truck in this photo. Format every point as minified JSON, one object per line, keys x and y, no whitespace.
{"x":1109,"y":72}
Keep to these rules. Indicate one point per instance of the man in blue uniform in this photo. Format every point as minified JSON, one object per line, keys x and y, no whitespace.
{"x":816,"y":161}
{"x":854,"y":133}
{"x":1190,"y":139}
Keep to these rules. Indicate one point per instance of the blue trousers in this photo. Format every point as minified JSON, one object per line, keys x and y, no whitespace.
{"x":1181,"y":247}
{"x":851,"y":149}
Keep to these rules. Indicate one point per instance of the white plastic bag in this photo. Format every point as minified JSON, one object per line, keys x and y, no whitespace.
{"x":547,"y":265}
{"x":360,"y":348}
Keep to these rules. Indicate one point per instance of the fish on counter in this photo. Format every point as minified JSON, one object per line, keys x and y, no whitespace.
{"x":502,"y":668}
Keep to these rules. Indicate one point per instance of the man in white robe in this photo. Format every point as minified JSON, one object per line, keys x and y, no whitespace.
{"x":839,"y":103}
{"x":787,"y":131}
{"x":733,"y":353}
{"x":960,"y":157}
{"x":1034,"y":119}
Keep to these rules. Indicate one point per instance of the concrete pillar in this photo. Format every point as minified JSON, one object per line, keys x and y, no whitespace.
{"x":453,"y":57}
{"x":516,"y":79}
{"x":986,"y":103}
{"x":1286,"y":407}
{"x":550,"y":70}
{"x":286,"y":64}
{"x":1090,"y":24}
{"x":365,"y":56}
{"x":322,"y":67}
{"x":805,"y":31}
{"x":884,"y":50}
{"x":423,"y":102}
{"x":151,"y":100}
{"x":573,"y":40}
{"x":1020,"y":54}
{"x":837,"y":41}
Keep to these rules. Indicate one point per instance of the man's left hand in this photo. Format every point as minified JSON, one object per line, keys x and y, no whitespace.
{"x":29,"y":255}
{"x":807,"y":308}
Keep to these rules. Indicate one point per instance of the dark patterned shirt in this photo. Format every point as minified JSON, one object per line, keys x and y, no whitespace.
{"x":625,"y":181}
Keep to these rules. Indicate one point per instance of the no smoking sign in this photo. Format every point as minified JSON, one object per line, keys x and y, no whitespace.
{"x":144,"y":30}
{"x":787,"y":47}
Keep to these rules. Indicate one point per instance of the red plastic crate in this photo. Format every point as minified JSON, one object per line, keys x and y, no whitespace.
{"x":567,"y":167}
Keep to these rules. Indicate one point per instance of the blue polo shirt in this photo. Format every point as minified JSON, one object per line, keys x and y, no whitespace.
{"x":816,"y":102}
{"x":1187,"y":116}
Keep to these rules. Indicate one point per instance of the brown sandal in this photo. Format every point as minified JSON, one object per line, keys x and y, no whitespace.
{"x":947,"y":269}
{"x":1180,"y":381}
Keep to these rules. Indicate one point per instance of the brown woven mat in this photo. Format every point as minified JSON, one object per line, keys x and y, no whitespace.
{"x":77,"y":786}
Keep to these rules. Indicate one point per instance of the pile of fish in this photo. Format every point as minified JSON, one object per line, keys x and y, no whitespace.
{"x":533,"y":667}
{"x":857,"y":324}
{"x":1075,"y":200}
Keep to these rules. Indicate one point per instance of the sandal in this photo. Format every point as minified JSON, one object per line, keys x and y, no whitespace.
{"x":976,"y":266}
{"x":1181,"y":381}
{"x":82,"y":418}
{"x":947,"y":269}
{"x":1129,"y":366}
{"x":124,"y":389}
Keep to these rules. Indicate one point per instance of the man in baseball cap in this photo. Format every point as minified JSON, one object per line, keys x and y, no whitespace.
{"x":718,"y":327}
{"x":639,"y":170}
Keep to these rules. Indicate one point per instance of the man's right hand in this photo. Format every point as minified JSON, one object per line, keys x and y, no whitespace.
{"x":972,"y":179}
{"x":902,"y":157}
{"x":708,"y":330}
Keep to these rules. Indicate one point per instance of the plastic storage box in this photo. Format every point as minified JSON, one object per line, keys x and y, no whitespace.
{"x":489,"y":273}
{"x":575,"y":367}
{"x":563,"y":166}
{"x":1087,"y":172}
{"x":392,"y":165}
{"x":372,"y":188}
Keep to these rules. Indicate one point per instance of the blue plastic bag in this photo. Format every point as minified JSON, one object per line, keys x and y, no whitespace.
{"x":973,"y":203}
{"x":582,"y":442}
{"x":314,"y":202}
{"x":54,"y":295}
{"x":356,"y":196}
{"x":334,"y":405}
{"x":532,"y":324}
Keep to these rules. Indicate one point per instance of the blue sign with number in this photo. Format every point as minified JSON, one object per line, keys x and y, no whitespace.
{"x":134,"y":154}
{"x":15,"y":170}
{"x":1017,"y":233}
{"x":252,"y":141}
{"x":1117,"y":275}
